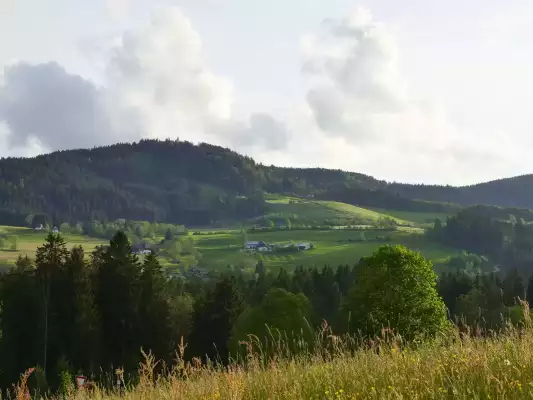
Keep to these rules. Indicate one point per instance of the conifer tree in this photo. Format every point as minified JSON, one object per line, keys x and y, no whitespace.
{"x":118,"y":296}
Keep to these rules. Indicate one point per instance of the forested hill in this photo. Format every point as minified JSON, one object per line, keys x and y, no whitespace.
{"x":197,"y":185}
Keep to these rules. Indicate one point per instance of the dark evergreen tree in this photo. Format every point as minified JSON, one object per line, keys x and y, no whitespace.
{"x":529,"y":294}
{"x":81,"y":328}
{"x":213,"y":320}
{"x":118,"y":295}
{"x":154,"y":312}
{"x":513,"y":288}
{"x":21,"y":345}
{"x":50,"y":260}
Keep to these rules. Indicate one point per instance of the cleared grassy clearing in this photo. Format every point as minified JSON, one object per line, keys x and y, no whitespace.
{"x":317,"y":211}
{"x":28,"y":240}
{"x":332,"y":247}
{"x":419,"y":218}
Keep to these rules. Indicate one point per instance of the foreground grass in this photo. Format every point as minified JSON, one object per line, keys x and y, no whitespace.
{"x":495,"y":368}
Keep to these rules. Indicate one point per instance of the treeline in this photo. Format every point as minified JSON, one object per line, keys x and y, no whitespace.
{"x":181,"y":183}
{"x":485,"y":302}
{"x":504,"y":238}
{"x":384,"y":198}
{"x":66,"y":314}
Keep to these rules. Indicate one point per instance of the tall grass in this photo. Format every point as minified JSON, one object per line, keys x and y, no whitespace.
{"x":453,"y":366}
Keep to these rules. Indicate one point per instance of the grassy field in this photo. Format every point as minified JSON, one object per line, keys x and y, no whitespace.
{"x":28,"y":240}
{"x":218,"y":250}
{"x":423,"y":219}
{"x":315,"y":212}
{"x":221,"y":247}
{"x":494,"y":368}
{"x":332,"y":247}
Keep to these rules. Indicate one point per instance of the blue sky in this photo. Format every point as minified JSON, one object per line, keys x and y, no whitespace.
{"x":417,"y":91}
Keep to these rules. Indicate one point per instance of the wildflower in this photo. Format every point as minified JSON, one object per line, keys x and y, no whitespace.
{"x":507,"y":362}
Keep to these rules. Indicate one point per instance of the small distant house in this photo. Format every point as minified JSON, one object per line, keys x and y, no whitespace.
{"x":141,"y":249}
{"x":198,"y":272}
{"x":304,"y":246}
{"x":255,"y":245}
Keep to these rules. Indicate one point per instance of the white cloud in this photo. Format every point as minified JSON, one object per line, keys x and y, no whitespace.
{"x":117,"y":8}
{"x":358,"y":113}
{"x":359,"y":99}
{"x":156,"y":84}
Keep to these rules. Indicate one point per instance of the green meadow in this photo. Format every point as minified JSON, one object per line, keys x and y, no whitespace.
{"x":222,"y":248}
{"x":27,"y":240}
{"x":316,"y":212}
{"x":331,"y":247}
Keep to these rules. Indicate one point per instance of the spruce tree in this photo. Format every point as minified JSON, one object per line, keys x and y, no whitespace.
{"x":21,"y":299}
{"x":118,"y":296}
{"x":213,"y":320}
{"x":50,"y":259}
{"x":154,"y":311}
{"x":81,"y":328}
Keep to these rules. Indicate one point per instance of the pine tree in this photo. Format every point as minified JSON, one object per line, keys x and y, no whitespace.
{"x":81,"y":330}
{"x":50,"y":261}
{"x":21,"y":299}
{"x":117,"y":298}
{"x":213,"y":320}
{"x":154,"y":312}
{"x":513,"y":287}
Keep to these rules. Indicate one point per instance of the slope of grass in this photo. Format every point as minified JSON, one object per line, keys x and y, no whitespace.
{"x":28,"y":240}
{"x":419,"y":218}
{"x":495,"y":368}
{"x":317,"y":211}
{"x":332,"y":247}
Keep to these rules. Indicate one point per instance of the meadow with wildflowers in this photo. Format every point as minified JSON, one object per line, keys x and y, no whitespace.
{"x":451,"y":366}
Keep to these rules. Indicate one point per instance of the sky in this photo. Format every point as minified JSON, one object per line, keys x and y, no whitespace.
{"x":419,"y":91}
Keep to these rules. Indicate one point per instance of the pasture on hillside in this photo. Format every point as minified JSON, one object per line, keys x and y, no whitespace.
{"x":421,"y":219}
{"x":319,"y":212}
{"x":27,"y":241}
{"x":332,"y":247}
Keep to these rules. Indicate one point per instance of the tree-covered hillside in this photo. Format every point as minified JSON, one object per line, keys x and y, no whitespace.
{"x":183,"y":183}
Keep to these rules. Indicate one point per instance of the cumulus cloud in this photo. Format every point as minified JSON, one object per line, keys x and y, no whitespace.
{"x":359,"y":99}
{"x":156,"y":84}
{"x":45,"y":103}
{"x":358,"y":113}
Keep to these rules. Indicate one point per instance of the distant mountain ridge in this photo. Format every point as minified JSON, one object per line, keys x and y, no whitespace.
{"x":203,"y":184}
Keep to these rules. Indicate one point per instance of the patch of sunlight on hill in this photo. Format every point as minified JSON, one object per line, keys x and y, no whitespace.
{"x":309,"y":211}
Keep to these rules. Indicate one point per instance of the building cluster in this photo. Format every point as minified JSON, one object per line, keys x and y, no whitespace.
{"x":264,"y":247}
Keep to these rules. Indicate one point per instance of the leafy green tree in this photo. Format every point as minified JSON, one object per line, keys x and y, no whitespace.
{"x":281,"y":314}
{"x":14,"y":242}
{"x":395,"y":288}
{"x":64,"y":228}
